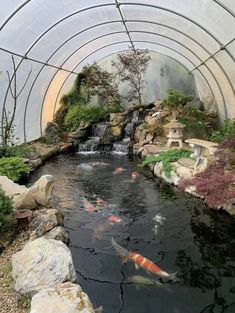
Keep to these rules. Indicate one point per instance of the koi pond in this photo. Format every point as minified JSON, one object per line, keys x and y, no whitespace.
{"x":104,"y":196}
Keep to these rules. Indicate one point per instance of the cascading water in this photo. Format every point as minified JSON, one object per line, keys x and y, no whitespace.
{"x":93,"y":143}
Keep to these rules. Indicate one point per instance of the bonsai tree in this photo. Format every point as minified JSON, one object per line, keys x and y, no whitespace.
{"x":175,"y":101}
{"x":130,"y":66}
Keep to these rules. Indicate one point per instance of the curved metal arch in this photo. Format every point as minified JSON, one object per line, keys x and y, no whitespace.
{"x":119,"y":21}
{"x":127,"y":42}
{"x":13,"y":13}
{"x":224,"y":7}
{"x":185,"y":17}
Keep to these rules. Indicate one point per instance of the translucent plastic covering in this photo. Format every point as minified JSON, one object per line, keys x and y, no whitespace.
{"x":54,"y":39}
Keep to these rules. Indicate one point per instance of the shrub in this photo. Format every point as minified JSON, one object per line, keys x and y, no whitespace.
{"x":176,"y":100}
{"x":6,"y":208}
{"x":13,"y":167}
{"x":224,"y":133}
{"x":22,"y":151}
{"x":166,"y":158}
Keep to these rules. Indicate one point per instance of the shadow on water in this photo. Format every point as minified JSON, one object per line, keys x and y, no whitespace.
{"x":175,"y":231}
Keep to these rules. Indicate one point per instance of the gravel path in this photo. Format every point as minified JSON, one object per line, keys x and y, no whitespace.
{"x":10,"y":301}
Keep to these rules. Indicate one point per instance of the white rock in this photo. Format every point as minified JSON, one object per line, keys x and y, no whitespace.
{"x":38,"y":194}
{"x":10,"y":188}
{"x":63,"y":298}
{"x":42,"y":263}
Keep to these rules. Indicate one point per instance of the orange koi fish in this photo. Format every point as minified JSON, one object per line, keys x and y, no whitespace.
{"x":141,"y":261}
{"x":114,"y":218}
{"x":118,"y":170}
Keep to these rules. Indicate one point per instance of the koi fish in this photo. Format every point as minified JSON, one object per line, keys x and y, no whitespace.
{"x":118,"y":170}
{"x":141,"y":280}
{"x":141,"y":261}
{"x":88,"y":205}
{"x":134,"y":175}
{"x":114,"y":218}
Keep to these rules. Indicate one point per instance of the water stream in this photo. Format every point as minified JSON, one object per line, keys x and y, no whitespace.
{"x":175,"y":231}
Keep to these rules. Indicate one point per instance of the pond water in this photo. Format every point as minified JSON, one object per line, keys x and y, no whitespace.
{"x":175,"y":231}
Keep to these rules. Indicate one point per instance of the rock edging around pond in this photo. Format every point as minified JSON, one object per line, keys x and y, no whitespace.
{"x":44,"y":268}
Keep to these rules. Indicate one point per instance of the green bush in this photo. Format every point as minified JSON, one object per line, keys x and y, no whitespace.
{"x":175,"y":99}
{"x":166,"y":158}
{"x":6,"y":208}
{"x":224,"y":133}
{"x":22,"y":151}
{"x":13,"y":167}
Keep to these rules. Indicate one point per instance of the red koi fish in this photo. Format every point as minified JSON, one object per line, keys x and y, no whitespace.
{"x":141,"y":261}
{"x":114,"y":218}
{"x":88,"y":205}
{"x":118,"y":170}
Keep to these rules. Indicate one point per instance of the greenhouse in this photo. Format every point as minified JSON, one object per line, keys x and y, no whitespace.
{"x":117,"y":156}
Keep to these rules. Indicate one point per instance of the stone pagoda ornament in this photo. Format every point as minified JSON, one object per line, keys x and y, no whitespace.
{"x":175,"y":133}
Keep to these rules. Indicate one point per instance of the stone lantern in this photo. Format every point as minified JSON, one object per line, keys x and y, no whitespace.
{"x":175,"y":133}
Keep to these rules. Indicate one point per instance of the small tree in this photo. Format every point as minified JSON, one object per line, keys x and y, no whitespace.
{"x":9,"y":117}
{"x":130,"y":66}
{"x":101,"y":83}
{"x":175,"y":101}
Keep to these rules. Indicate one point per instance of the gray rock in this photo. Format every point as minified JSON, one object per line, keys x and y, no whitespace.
{"x":63,"y":298}
{"x":42,"y":263}
{"x":52,"y":132}
{"x":35,"y":163}
{"x":58,"y":233}
{"x":44,"y":220}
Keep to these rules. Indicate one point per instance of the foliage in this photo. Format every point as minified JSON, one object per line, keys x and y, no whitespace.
{"x":130,"y":66}
{"x":78,"y":114}
{"x":45,"y":140}
{"x":22,"y":151}
{"x":24,"y":301}
{"x":6,"y":209}
{"x":195,"y":128}
{"x":101,"y":83}
{"x":228,"y":144}
{"x":176,"y":100}
{"x":226,"y":132}
{"x":13,"y":167}
{"x":166,"y":158}
{"x":215,"y":184}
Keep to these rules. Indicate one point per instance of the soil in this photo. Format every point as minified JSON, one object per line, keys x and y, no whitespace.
{"x":11,"y":242}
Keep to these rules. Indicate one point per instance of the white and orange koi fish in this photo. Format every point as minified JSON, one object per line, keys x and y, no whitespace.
{"x":118,"y":170}
{"x":141,"y":261}
{"x":88,"y":205}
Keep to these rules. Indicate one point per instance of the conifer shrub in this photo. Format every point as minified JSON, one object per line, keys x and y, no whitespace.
{"x":13,"y":167}
{"x":21,"y":151}
{"x":6,"y":209}
{"x":166,"y":158}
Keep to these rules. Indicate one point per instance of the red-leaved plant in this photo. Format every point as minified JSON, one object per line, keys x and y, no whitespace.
{"x":217,"y":183}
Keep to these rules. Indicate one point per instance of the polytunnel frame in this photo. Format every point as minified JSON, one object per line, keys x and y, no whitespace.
{"x":222,"y":47}
{"x":138,"y":41}
{"x":117,"y":32}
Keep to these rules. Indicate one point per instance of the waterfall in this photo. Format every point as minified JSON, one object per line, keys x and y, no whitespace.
{"x":90,"y":146}
{"x":99,"y":129}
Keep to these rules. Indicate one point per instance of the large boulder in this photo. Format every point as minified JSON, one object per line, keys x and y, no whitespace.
{"x":38,"y":194}
{"x":42,"y":263}
{"x":10,"y":188}
{"x":118,"y":119}
{"x":44,"y":220}
{"x":58,"y":233}
{"x":63,"y":298}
